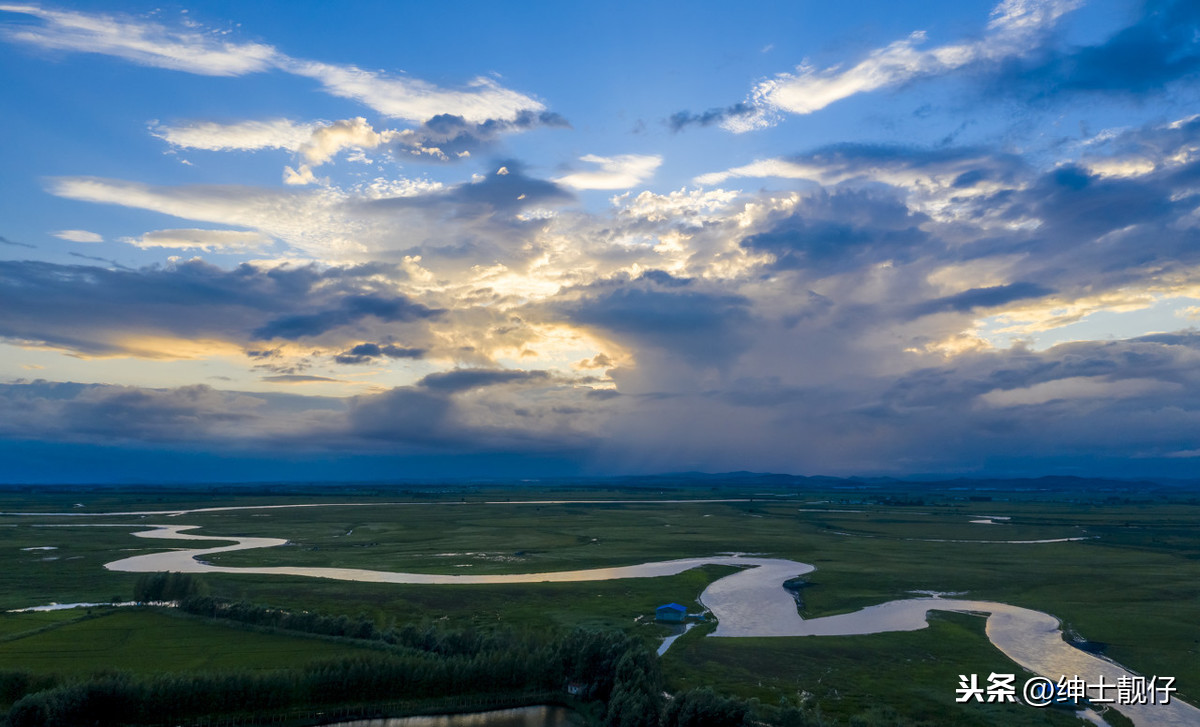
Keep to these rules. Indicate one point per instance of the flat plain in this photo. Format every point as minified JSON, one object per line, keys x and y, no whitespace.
{"x":1124,"y":576}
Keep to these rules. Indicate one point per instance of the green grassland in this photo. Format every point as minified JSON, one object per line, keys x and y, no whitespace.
{"x":156,"y":642}
{"x":913,"y":674}
{"x":1133,"y":583}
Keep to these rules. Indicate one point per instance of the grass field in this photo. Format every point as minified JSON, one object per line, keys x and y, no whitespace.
{"x":153,"y":642}
{"x":1133,"y":583}
{"x":911,"y":673}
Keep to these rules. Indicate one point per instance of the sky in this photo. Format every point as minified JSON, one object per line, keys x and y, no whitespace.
{"x":376,"y":240}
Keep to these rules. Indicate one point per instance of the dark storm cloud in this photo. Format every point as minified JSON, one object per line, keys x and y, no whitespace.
{"x":1160,"y":48}
{"x":1076,"y":405}
{"x":431,"y":414}
{"x":510,"y":191}
{"x":350,"y":309}
{"x":1098,"y":232}
{"x":456,"y":138}
{"x":428,"y":414}
{"x":466,"y":379}
{"x":90,"y":309}
{"x":368,"y":352}
{"x":705,"y":328}
{"x":404,"y":414}
{"x":680,"y":120}
{"x":1189,"y":338}
{"x":1074,"y":202}
{"x":968,"y":300}
{"x":843,"y":229}
{"x":665,"y":279}
{"x":1167,"y":359}
{"x":94,"y":412}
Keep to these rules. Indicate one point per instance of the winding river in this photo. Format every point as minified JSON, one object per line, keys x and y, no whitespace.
{"x":748,"y":603}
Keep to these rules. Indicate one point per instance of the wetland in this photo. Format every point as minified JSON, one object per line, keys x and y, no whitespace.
{"x":1112,"y":571}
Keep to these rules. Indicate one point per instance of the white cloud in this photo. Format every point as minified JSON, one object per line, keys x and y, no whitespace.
{"x":244,"y":135}
{"x":327,"y":223}
{"x":205,"y":52}
{"x":619,"y":172}
{"x":416,"y":100}
{"x":218,"y":240}
{"x":695,"y":206}
{"x":1013,"y":29}
{"x":312,"y":220}
{"x":316,"y":142}
{"x":763,"y":168}
{"x":300,"y":176}
{"x":326,"y":141}
{"x":381,"y":187}
{"x":78,"y":236}
{"x":147,"y":44}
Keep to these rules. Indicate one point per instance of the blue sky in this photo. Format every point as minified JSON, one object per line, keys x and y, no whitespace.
{"x":367,"y":240}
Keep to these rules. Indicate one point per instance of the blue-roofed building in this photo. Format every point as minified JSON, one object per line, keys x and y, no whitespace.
{"x":671,"y":613}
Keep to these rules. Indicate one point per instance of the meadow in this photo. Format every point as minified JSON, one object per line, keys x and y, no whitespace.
{"x":1130,"y":586}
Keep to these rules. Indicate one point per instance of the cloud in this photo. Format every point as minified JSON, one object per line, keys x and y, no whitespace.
{"x":1076,"y":387}
{"x":243,"y":135}
{"x":316,"y":142}
{"x":314,"y":221}
{"x":299,"y":177}
{"x":327,"y":140}
{"x":619,"y":172}
{"x":14,"y":243}
{"x":415,"y":100}
{"x":94,"y":258}
{"x":79,"y":236}
{"x":1015,"y":28}
{"x":680,"y":120}
{"x":99,"y":312}
{"x":82,"y":412}
{"x":475,"y":410}
{"x":844,"y":322}
{"x":990,"y":297}
{"x":208,"y":240}
{"x":404,"y":414}
{"x":369,"y":352}
{"x":349,"y":309}
{"x":506,"y":191}
{"x":699,"y":328}
{"x":955,"y":171}
{"x":298,"y":379}
{"x":1157,"y":49}
{"x":144,"y":43}
{"x":337,"y":224}
{"x":450,"y":137}
{"x":695,"y":206}
{"x":467,"y":379}
{"x":206,"y":52}
{"x":843,"y":229}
